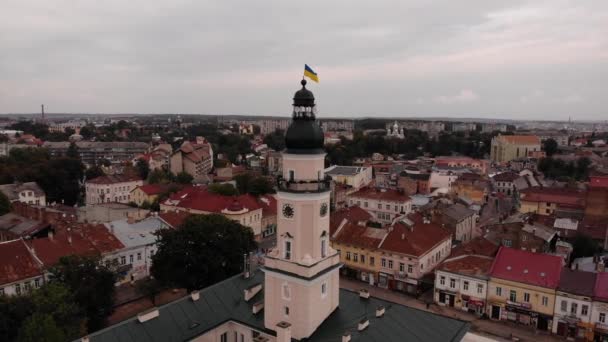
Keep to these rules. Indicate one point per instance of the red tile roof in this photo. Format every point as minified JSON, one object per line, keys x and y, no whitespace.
{"x":353,"y":214}
{"x":111,"y":179}
{"x":477,"y":246}
{"x":16,"y":262}
{"x":506,"y":177}
{"x":174,"y":218}
{"x":526,"y":267}
{"x":601,"y":287}
{"x":473,"y":265}
{"x":100,"y":237}
{"x":417,"y":241}
{"x":598,"y":181}
{"x":50,"y":250}
{"x":554,"y":195}
{"x":380,"y":194}
{"x":360,"y":235}
{"x":152,"y":189}
{"x":198,"y":198}
{"x":521,"y":139}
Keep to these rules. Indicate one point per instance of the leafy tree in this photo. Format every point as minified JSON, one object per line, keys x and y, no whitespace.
{"x":184,"y":178}
{"x":73,"y":151}
{"x":87,"y":132}
{"x":92,"y":285}
{"x":225,"y":189}
{"x":14,"y":310}
{"x":41,"y":327}
{"x":550,"y":147}
{"x":149,"y":288}
{"x":260,"y":186}
{"x":56,"y":300}
{"x":584,"y":246}
{"x":143,"y":169}
{"x":243,"y":182}
{"x":5,"y":204}
{"x":206,"y":249}
{"x":94,"y":172}
{"x":275,"y":140}
{"x":160,"y":177}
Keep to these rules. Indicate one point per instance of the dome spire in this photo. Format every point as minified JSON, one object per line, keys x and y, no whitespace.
{"x":304,"y":134}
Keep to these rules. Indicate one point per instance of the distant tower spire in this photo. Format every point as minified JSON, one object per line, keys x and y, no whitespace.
{"x":42,"y":112}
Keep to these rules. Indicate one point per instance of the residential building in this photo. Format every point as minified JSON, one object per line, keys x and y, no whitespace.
{"x":505,"y":182}
{"x":91,"y":152}
{"x":522,"y":287}
{"x":462,"y":282}
{"x":111,"y":188}
{"x":477,"y":246}
{"x":461,"y":221}
{"x":194,"y":158}
{"x":572,"y":314}
{"x":442,"y":179}
{"x":14,"y":226}
{"x":139,"y":240}
{"x":20,"y":270}
{"x":493,"y":127}
{"x":60,"y":127}
{"x":384,"y":204}
{"x":270,"y":126}
{"x":107,"y":212}
{"x":597,"y":197}
{"x":464,"y":127}
{"x":505,"y":148}
{"x":245,"y":209}
{"x":478,"y":165}
{"x":354,"y":176}
{"x":524,"y":236}
{"x":548,"y":201}
{"x":338,"y":125}
{"x":599,"y":311}
{"x":471,"y":187}
{"x":29,"y":192}
{"x":148,"y":193}
{"x":157,"y":158}
{"x":414,"y":183}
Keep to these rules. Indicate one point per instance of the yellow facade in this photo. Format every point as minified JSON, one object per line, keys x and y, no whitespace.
{"x":527,"y":298}
{"x":370,"y":262}
{"x":541,"y":208}
{"x":509,"y":147}
{"x":138,"y":196}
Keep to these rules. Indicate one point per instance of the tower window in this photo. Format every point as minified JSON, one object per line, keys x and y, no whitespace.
{"x":288,"y":250}
{"x":323,"y":248}
{"x":292,"y":175}
{"x":323,"y":290}
{"x":286,"y":311}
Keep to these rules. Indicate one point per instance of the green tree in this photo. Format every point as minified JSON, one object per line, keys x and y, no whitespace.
{"x":261,"y":186}
{"x":184,"y":178}
{"x":94,"y":172}
{"x":56,"y":300}
{"x":73,"y":151}
{"x":150,"y":288}
{"x":225,"y":189}
{"x":143,"y":169}
{"x":92,"y":285}
{"x":87,"y":132}
{"x":275,"y":140}
{"x":5,"y":204}
{"x":205,"y":250}
{"x":160,"y":177}
{"x":550,"y":147}
{"x":14,"y":310}
{"x":243,"y":182}
{"x":584,"y":246}
{"x":41,"y":327}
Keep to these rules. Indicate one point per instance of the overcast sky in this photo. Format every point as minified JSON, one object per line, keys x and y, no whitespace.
{"x":488,"y":59}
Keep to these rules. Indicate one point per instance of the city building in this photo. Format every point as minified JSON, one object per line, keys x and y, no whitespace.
{"x":20,"y":270}
{"x":298,"y":296}
{"x":193,"y":158}
{"x":522,"y":287}
{"x":111,"y":188}
{"x":462,"y":282}
{"x":29,"y":192}
{"x":572,"y":314}
{"x":354,"y":176}
{"x":384,"y":204}
{"x":599,"y":312}
{"x":505,"y":182}
{"x":338,"y":125}
{"x":461,"y":221}
{"x":91,"y":152}
{"x":270,"y":126}
{"x":14,"y":226}
{"x":60,"y":127}
{"x":493,"y":127}
{"x":147,"y":193}
{"x":548,"y":201}
{"x":471,"y":187}
{"x":414,"y":183}
{"x":464,"y":127}
{"x":597,"y":197}
{"x":157,"y":158}
{"x":245,"y":209}
{"x":477,"y":165}
{"x":505,"y":148}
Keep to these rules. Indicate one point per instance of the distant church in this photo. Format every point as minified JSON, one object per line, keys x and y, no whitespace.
{"x":395,"y":131}
{"x":295,"y":295}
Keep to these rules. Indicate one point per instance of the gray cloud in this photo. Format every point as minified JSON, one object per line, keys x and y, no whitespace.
{"x":445,"y":58}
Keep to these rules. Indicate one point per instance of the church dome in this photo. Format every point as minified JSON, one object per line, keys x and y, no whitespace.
{"x":304,"y":135}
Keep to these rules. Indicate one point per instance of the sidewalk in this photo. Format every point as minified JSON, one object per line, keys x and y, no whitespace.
{"x":497,"y":330}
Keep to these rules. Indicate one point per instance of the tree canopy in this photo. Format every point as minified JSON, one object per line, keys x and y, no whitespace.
{"x":559,"y":169}
{"x":550,"y":147}
{"x":225,"y":189}
{"x":203,"y":251}
{"x":5,"y":204}
{"x":256,"y":185}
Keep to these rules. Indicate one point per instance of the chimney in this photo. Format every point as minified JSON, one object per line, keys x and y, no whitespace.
{"x":346,"y":337}
{"x":148,"y":315}
{"x":363,"y":293}
{"x":380,"y":311}
{"x":84,"y":339}
{"x":51,"y":235}
{"x":283,"y":332}
{"x":257,"y":307}
{"x":402,"y":236}
{"x":195,"y":295}
{"x":363,"y":324}
{"x":251,"y":291}
{"x":70,"y":239}
{"x":600,"y":266}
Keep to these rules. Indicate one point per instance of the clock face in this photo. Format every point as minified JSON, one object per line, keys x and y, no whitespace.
{"x":324,"y":209}
{"x":288,"y":211}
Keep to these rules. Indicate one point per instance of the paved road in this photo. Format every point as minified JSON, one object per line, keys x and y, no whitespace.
{"x":501,"y":331}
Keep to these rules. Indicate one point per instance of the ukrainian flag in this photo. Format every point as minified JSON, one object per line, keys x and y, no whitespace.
{"x":310,"y":74}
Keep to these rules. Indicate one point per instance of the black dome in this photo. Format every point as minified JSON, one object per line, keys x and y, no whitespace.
{"x":304,"y":135}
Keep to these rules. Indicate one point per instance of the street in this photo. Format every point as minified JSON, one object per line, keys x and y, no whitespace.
{"x":500,"y":331}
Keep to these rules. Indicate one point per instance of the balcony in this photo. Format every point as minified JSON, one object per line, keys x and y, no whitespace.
{"x":315,"y":186}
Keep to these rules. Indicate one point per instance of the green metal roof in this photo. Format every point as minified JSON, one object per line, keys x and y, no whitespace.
{"x":186,"y":319}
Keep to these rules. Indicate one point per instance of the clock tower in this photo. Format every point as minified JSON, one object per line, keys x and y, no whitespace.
{"x":302,"y":272}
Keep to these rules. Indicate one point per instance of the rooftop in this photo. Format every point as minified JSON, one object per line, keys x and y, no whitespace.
{"x":186,"y":319}
{"x":577,"y":282}
{"x":554,"y":195}
{"x":198,"y":198}
{"x":477,"y":246}
{"x":19,"y":225}
{"x":152,"y":189}
{"x":16,"y":262}
{"x":521,"y":139}
{"x":458,"y":212}
{"x":601,"y":287}
{"x":174,"y":218}
{"x":344,"y":170}
{"x":136,"y":234}
{"x":526,"y":267}
{"x":471,"y":265}
{"x":113,"y":179}
{"x":50,"y":249}
{"x":380,"y":194}
{"x":12,"y":190}
{"x":416,"y":239}
{"x":506,"y":177}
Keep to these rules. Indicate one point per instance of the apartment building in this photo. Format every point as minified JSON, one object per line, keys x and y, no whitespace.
{"x":111,"y":188}
{"x":384,"y":204}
